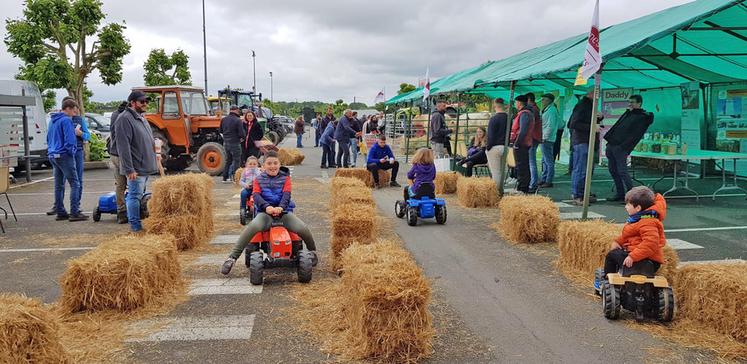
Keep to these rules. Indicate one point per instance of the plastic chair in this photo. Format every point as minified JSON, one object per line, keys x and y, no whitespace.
{"x":4,"y":186}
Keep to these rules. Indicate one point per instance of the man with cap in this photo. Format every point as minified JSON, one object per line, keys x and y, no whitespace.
{"x":233,"y":131}
{"x":138,"y":153}
{"x":550,"y":122}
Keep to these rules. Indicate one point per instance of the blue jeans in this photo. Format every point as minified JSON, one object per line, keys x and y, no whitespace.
{"x":617,"y":159}
{"x":233,"y":159}
{"x":578,"y":177}
{"x":245,"y":194}
{"x":299,"y":137}
{"x":79,"y":170}
{"x":135,"y":190}
{"x":533,"y":165}
{"x":354,"y":150}
{"x":548,"y":162}
{"x":64,"y":170}
{"x":317,"y":136}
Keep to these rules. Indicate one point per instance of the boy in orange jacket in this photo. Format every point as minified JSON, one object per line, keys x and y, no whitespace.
{"x":639,"y":249}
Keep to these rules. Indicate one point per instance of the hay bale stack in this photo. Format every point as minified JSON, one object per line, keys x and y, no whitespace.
{"x":352,"y":223}
{"x":584,"y":244}
{"x":351,"y":195}
{"x":363,"y":175}
{"x":237,"y":176}
{"x":387,"y":297}
{"x":28,"y":332}
{"x":290,"y":156}
{"x":477,"y":192}
{"x":182,"y":206}
{"x":529,"y":219}
{"x":340,"y":182}
{"x":125,"y":273}
{"x":446,"y":182}
{"x":714,"y":295}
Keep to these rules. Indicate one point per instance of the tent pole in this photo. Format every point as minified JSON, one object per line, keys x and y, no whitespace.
{"x":456,"y":138}
{"x":428,"y":125}
{"x":502,"y":181}
{"x":408,"y":133}
{"x":592,"y":144}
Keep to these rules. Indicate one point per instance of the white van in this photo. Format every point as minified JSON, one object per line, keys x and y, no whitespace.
{"x":37,"y":118}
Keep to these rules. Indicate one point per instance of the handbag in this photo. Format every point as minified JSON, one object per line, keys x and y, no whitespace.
{"x":442,"y":164}
{"x":510,"y":160}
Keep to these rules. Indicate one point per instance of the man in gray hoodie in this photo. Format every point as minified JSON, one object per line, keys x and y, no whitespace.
{"x":138,"y":155}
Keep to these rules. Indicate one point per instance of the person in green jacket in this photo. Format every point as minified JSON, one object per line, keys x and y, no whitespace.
{"x":550,"y":124}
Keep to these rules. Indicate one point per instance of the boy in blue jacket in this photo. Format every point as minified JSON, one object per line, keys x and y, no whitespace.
{"x":380,"y":156}
{"x":61,"y":151}
{"x":328,"y":145}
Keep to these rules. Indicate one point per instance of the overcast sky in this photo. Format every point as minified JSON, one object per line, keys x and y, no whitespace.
{"x":328,"y":50}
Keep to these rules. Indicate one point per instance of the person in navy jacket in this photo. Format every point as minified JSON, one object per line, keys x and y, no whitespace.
{"x":380,"y":156}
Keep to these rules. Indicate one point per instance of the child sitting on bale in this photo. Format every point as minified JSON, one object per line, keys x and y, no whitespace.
{"x":639,"y":249}
{"x":423,"y":172}
{"x":272,"y":198}
{"x":251,"y":171}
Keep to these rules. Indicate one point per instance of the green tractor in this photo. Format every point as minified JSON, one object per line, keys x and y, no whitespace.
{"x":274,"y":131}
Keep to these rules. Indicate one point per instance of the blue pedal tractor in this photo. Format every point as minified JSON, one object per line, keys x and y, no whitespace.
{"x":423,"y":204}
{"x":108,"y":205}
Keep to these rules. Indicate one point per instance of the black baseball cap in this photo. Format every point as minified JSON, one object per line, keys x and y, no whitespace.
{"x":549,"y":96}
{"x":137,"y":96}
{"x":522,"y":98}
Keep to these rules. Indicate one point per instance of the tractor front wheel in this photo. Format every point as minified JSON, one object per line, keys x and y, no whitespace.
{"x":441,"y":215}
{"x":211,"y":158}
{"x":611,"y":301}
{"x":666,"y":304}
{"x":96,"y":214}
{"x":274,"y":137}
{"x":412,"y":216}
{"x":305,"y":264}
{"x":256,"y":267}
{"x":399,"y":208}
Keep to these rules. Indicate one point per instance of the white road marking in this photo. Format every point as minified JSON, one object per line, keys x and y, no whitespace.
{"x":231,"y":327}
{"x":52,"y":193}
{"x":225,"y":239}
{"x":561,"y":205}
{"x":32,"y":182}
{"x":220,"y":286}
{"x":705,"y":229}
{"x":33,"y":250}
{"x":577,"y":215}
{"x":722,"y":261}
{"x":679,"y":244}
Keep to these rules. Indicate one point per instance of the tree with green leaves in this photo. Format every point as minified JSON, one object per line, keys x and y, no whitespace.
{"x":162,"y":69}
{"x":405,"y":88}
{"x":60,"y":43}
{"x":49,"y":98}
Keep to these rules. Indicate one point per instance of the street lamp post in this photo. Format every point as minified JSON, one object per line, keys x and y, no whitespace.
{"x":204,"y":46}
{"x":254,"y":72}
{"x":271,"y":96}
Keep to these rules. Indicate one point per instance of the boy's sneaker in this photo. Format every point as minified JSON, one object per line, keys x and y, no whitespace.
{"x":227,"y":265}
{"x":78,"y":217}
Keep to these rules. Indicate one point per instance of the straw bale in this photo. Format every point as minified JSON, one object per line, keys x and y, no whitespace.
{"x":351,"y":195}
{"x":364,"y":175}
{"x":351,"y":223}
{"x":477,"y":192}
{"x":189,"y":231}
{"x":446,"y":182}
{"x":237,"y":176}
{"x":583,"y":246}
{"x":339,"y":182}
{"x":387,"y":297}
{"x":29,"y":332}
{"x":529,"y":219}
{"x":125,"y":273}
{"x":290,"y":156}
{"x":714,"y":295}
{"x":182,"y":194}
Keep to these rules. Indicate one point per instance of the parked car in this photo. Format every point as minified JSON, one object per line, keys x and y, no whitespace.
{"x":99,"y":125}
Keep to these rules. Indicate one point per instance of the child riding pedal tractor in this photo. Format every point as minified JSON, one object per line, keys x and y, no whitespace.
{"x":628,"y":279}
{"x":419,"y":197}
{"x":275,"y":237}
{"x":246,"y":205}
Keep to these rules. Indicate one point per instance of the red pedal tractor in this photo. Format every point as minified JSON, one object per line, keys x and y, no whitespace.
{"x":277,"y":247}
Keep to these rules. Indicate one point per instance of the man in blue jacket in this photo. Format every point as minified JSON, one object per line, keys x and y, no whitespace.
{"x":380,"y":156}
{"x":343,"y":132}
{"x":328,"y":146}
{"x":61,"y":151}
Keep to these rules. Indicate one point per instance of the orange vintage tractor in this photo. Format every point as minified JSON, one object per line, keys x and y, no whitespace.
{"x":179,"y":116}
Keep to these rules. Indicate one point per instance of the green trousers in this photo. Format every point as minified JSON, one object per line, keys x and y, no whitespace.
{"x":263,"y":222}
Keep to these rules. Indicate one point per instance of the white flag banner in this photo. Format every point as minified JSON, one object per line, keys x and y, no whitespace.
{"x":427,"y":88}
{"x":592,"y":57}
{"x":379,"y":97}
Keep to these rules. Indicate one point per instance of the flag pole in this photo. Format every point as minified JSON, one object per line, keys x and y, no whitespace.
{"x":592,"y":143}
{"x":507,"y":140}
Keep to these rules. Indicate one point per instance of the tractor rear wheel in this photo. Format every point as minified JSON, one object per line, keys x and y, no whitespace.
{"x":211,"y":158}
{"x":441,"y":215}
{"x":399,"y":208}
{"x":611,"y":301}
{"x":305,"y":264}
{"x":274,"y":137}
{"x":96,"y":214}
{"x":256,"y":266}
{"x":412,"y":216}
{"x":144,"y":213}
{"x":666,"y":304}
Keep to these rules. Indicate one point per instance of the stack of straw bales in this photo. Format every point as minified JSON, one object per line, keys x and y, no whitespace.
{"x":529,"y":219}
{"x":446,"y":182}
{"x":237,"y":176}
{"x":351,"y":195}
{"x":122,"y":274}
{"x":182,"y":206}
{"x":28,"y":332}
{"x":477,"y":192}
{"x":290,"y":156}
{"x":386,"y":310}
{"x":714,"y":295}
{"x":364,"y":175}
{"x":583,"y":246}
{"x":354,"y":217}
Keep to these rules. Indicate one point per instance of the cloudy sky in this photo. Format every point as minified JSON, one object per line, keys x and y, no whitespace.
{"x":328,"y":50}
